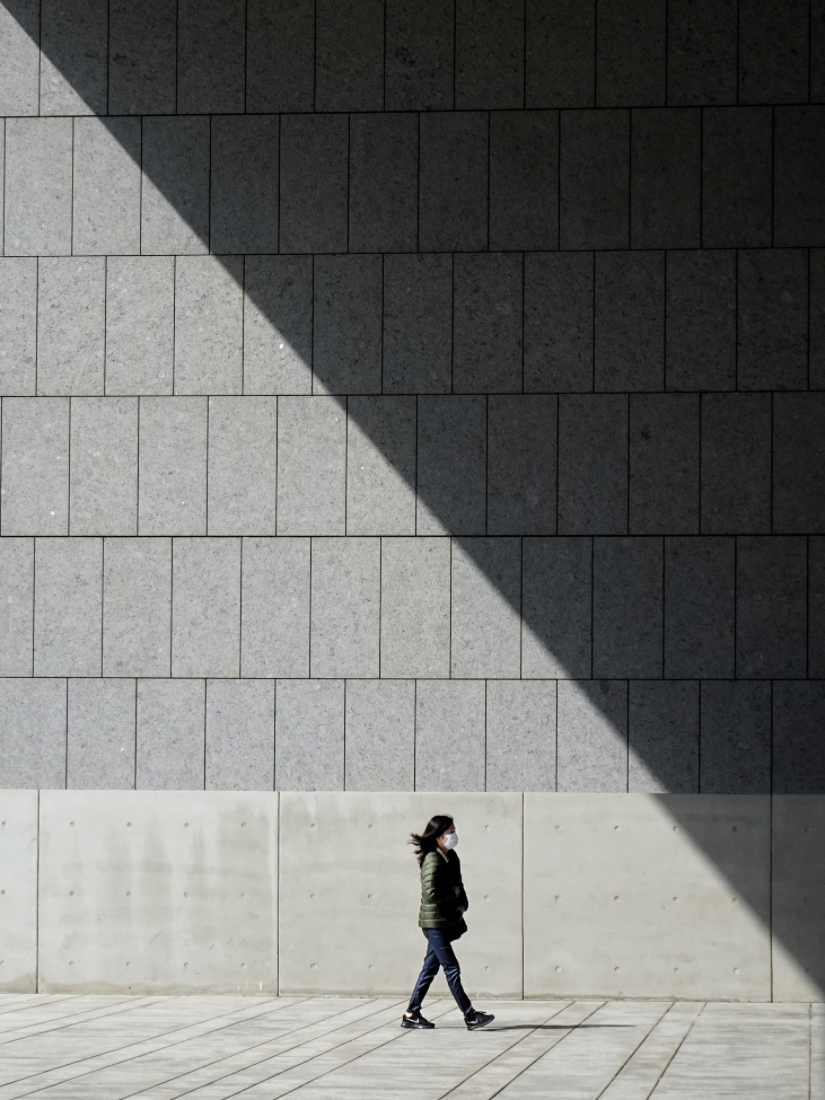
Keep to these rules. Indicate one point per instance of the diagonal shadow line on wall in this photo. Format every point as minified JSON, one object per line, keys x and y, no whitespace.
{"x":749,"y":886}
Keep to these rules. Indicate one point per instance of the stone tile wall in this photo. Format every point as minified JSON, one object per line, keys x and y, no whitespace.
{"x":412,"y":395}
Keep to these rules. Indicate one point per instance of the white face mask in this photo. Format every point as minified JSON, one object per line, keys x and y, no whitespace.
{"x":451,"y":841}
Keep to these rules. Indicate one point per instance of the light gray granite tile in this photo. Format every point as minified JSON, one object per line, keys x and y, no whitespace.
{"x":278,"y":325}
{"x":106,"y":186}
{"x":137,"y":606}
{"x":16,"y":607}
{"x":772,"y":319}
{"x":33,"y":733}
{"x":452,"y":465}
{"x":244,"y":184}
{"x":314,"y":183}
{"x":309,"y":735}
{"x":73,"y":60}
{"x":71,"y":326}
{"x":346,"y":599}
{"x":420,"y":37}
{"x":380,"y":735}
{"x":524,"y":180}
{"x":664,"y":737}
{"x":592,"y":736}
{"x":383,"y":199}
{"x":666,"y":178}
{"x":489,"y":55}
{"x":240,"y":735}
{"x":592,"y":464}
{"x":243,"y":434}
{"x":311,"y":466}
{"x":627,"y":607}
{"x":275,"y":607}
{"x":798,"y":457}
{"x":38,"y":194}
{"x":418,"y":324}
{"x":18,"y":326}
{"x":736,"y":177}
{"x":630,"y":321}
{"x":206,"y":606}
{"x":449,"y":741}
{"x":557,"y":606}
{"x":486,"y":608}
{"x":101,"y":735}
{"x":699,"y":607}
{"x":700,"y":322}
{"x":20,"y":58}
{"x":175,"y":198}
{"x":381,"y":449}
{"x":453,"y":181}
{"x":735,"y":737}
{"x":140,"y":324}
{"x":594,"y":199}
{"x":701,"y":52}
{"x":347,"y":324}
{"x":521,"y":735}
{"x":68,"y":597}
{"x":487,"y":326}
{"x":280,"y":55}
{"x":415,"y":607}
{"x":172,"y":461}
{"x":771,"y":607}
{"x":142,"y":62}
{"x":558,"y":322}
{"x":736,"y":463}
{"x":211,"y":56}
{"x":664,"y":464}
{"x":560,"y":54}
{"x":798,"y":718}
{"x":349,"y":55}
{"x":103,"y":469}
{"x":209,"y":325}
{"x":630,"y":54}
{"x":170,"y":735}
{"x":35,"y":486}
{"x":521,"y":467}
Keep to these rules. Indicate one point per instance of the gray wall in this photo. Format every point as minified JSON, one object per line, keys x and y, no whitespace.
{"x":678,"y":896}
{"x":412,"y":397}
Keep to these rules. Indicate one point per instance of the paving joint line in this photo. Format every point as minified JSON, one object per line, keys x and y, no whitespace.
{"x":676,"y":1051}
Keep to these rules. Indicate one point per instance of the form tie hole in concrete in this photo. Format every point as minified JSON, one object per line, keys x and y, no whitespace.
{"x":616,"y":828}
{"x":616,"y":898}
{"x":558,"y":828}
{"x":369,"y":826}
{"x":185,"y":965}
{"x":735,"y":899}
{"x":186,"y":824}
{"x":558,"y":970}
{"x":486,"y":967}
{"x":735,"y":829}
{"x":369,"y":897}
{"x":71,"y":823}
{"x":185,"y":895}
{"x":558,"y":897}
{"x":370,"y":966}
{"x":71,"y":963}
{"x":128,"y":824}
{"x":243,"y":824}
{"x":676,"y":828}
{"x":128,"y":964}
{"x":312,"y":896}
{"x":676,"y":970}
{"x":3,"y":892}
{"x":675,"y":899}
{"x":736,"y":970}
{"x":486,"y":897}
{"x":128,"y":893}
{"x":312,"y":966}
{"x":71,"y":893}
{"x":616,"y":969}
{"x":312,"y":825}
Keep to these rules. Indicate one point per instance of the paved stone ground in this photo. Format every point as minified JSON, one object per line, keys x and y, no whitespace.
{"x":211,"y":1048}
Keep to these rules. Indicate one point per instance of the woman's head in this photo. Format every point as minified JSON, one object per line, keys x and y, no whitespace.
{"x":425,"y":842}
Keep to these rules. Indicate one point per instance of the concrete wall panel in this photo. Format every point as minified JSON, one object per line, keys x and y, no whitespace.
{"x":521,"y":735}
{"x":452,"y":465}
{"x":18,"y":901}
{"x":157,"y":892}
{"x":350,"y":852}
{"x":280,"y":56}
{"x":798,"y":897}
{"x":486,"y":604}
{"x":524,"y":175}
{"x":674,"y":903}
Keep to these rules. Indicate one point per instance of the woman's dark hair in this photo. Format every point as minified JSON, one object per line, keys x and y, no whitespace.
{"x":428,"y":840}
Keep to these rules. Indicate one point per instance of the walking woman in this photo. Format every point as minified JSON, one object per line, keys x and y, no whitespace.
{"x":443,"y":905}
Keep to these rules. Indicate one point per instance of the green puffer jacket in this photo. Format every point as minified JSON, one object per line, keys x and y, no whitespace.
{"x":440,"y":874}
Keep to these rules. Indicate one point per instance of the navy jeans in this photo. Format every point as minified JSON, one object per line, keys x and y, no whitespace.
{"x":440,"y":954}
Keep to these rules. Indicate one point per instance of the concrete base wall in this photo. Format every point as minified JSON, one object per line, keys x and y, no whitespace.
{"x":710,"y":897}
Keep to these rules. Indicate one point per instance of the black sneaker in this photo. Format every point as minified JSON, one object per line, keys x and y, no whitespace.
{"x":416,"y":1021}
{"x":474,"y":1020}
